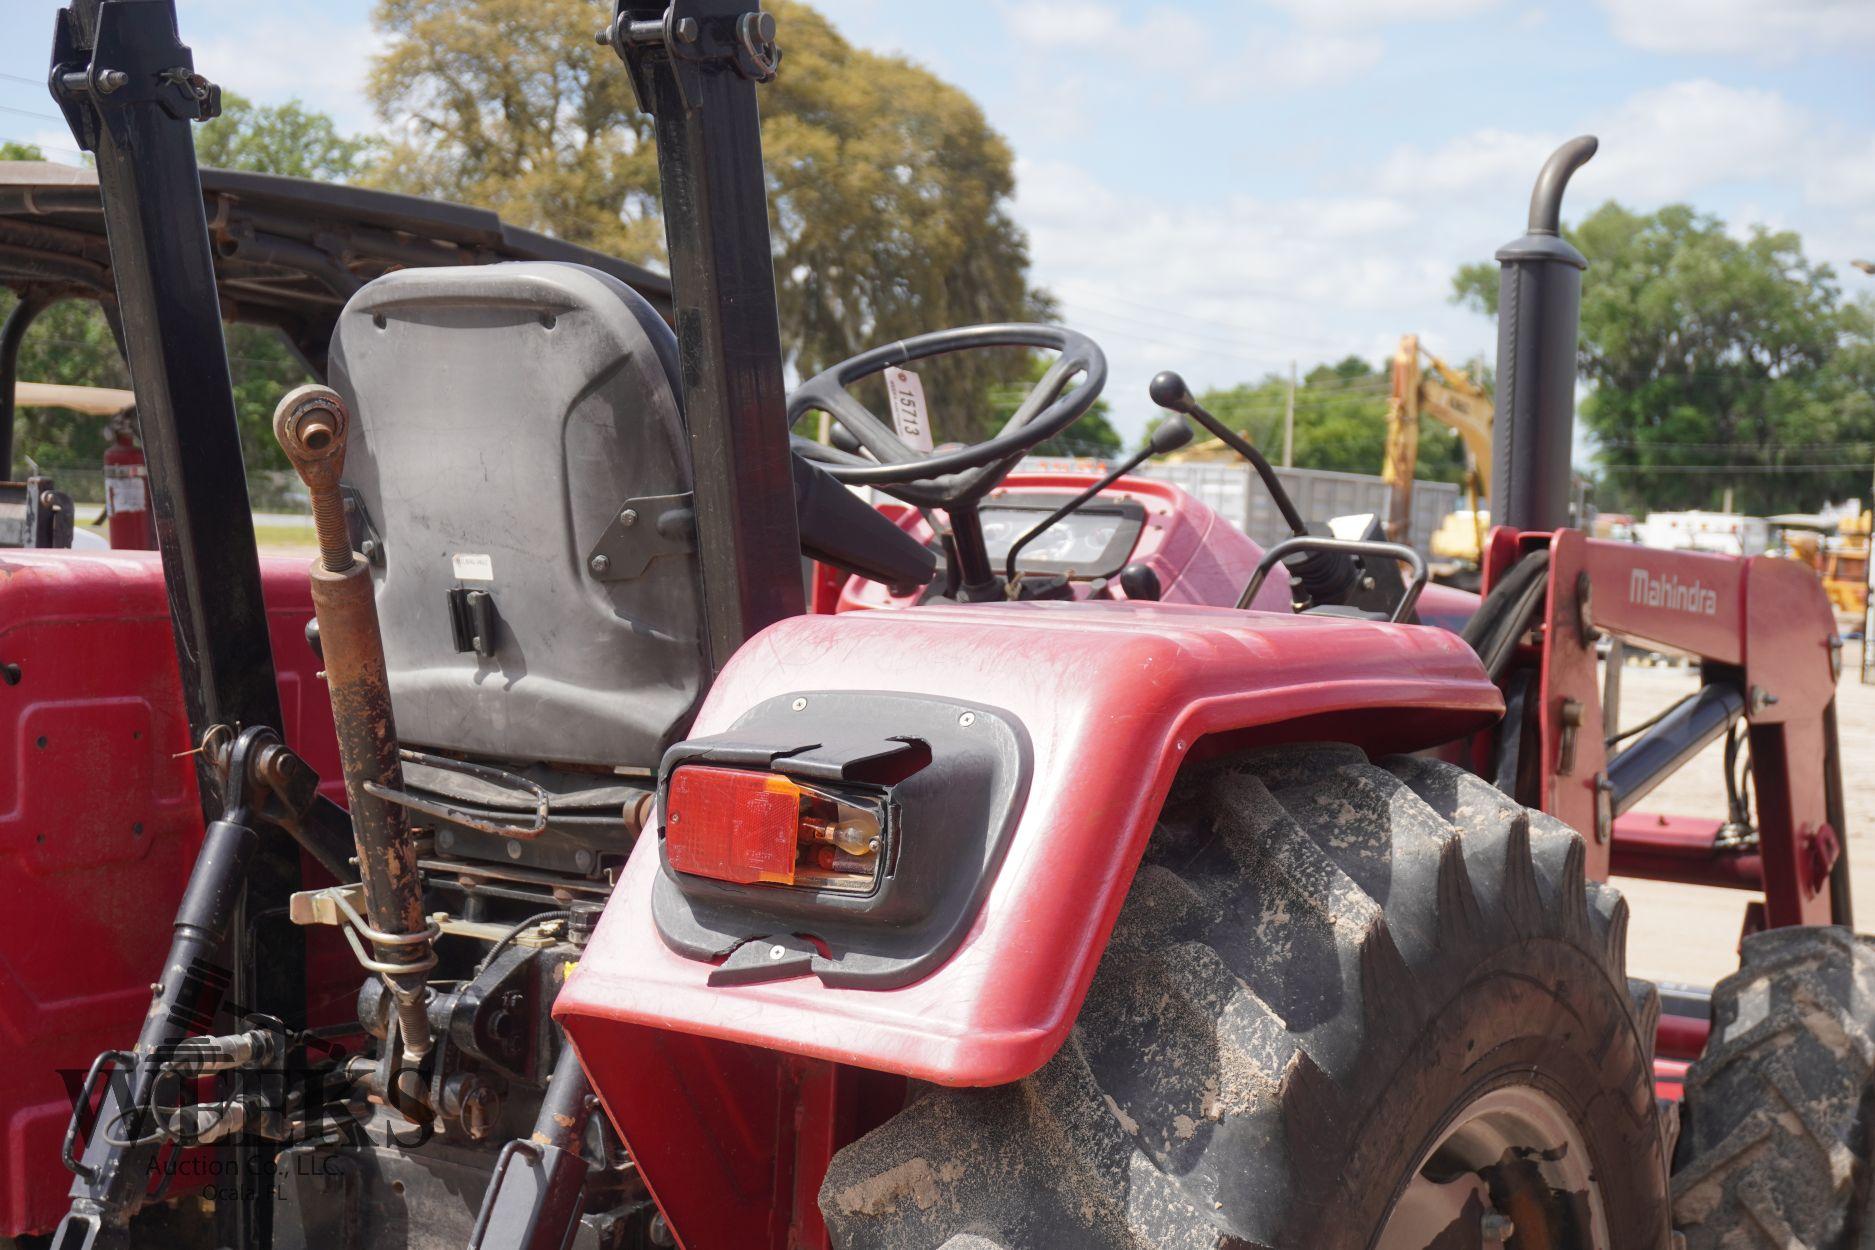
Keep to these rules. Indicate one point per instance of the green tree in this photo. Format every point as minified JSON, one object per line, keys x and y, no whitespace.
{"x":288,"y":139}
{"x":888,"y":191}
{"x":509,"y":104}
{"x":294,"y":141}
{"x":1341,"y":420}
{"x":1092,"y":435}
{"x":71,"y":342}
{"x":1714,"y":362}
{"x":11,"y":151}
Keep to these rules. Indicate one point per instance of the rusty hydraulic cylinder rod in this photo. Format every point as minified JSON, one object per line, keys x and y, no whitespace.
{"x":312,"y":424}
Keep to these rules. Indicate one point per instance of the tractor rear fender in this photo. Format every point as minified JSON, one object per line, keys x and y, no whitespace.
{"x":1113,"y":699}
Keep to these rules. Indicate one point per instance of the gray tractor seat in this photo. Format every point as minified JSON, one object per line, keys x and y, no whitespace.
{"x":519,"y":476}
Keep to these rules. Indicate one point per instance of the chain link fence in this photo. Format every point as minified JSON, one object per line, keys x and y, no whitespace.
{"x":274,"y":491}
{"x":1236,"y":493}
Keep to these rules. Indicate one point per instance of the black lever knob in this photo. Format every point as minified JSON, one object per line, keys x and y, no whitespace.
{"x":1168,"y":390}
{"x":1139,"y":581}
{"x":1169,"y":437}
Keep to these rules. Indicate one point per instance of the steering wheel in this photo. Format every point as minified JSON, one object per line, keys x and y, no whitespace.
{"x":947,"y":479}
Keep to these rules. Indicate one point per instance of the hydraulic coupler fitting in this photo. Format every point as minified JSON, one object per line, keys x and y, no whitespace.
{"x":312,"y":424}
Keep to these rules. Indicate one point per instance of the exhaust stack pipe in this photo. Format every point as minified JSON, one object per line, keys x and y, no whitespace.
{"x":1539,"y":308}
{"x":312,"y":424}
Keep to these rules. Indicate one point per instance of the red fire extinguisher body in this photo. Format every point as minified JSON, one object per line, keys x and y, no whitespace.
{"x":127,"y":495}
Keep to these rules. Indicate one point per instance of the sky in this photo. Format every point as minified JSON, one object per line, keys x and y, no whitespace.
{"x":1225,"y":186}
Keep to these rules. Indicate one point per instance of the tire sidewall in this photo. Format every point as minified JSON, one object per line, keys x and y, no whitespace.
{"x":1541,"y":1014}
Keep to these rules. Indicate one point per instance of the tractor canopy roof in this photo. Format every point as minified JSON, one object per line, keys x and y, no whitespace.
{"x":288,"y":251}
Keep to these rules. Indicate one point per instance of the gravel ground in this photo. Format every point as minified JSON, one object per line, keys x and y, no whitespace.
{"x":1689,"y":934}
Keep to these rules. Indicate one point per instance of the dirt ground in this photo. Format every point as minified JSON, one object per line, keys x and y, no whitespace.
{"x":1689,"y":934}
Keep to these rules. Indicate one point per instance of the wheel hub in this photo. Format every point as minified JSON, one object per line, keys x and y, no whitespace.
{"x":1510,"y":1171}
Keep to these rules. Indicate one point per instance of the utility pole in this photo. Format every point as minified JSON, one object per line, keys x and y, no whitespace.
{"x":1868,"y":559}
{"x":1289,"y":421}
{"x":1868,"y":594}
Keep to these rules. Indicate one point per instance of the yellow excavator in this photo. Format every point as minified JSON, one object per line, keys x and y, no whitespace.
{"x":1424,"y":385}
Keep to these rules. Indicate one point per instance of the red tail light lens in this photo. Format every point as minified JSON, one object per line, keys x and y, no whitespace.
{"x":751,"y":828}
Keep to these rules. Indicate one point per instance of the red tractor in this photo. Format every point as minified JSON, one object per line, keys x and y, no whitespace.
{"x":1133,"y":887}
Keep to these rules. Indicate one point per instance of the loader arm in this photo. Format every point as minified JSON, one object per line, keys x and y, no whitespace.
{"x":1770,"y":655}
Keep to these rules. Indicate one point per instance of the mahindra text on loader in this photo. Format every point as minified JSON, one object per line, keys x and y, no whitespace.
{"x":1134,"y":887}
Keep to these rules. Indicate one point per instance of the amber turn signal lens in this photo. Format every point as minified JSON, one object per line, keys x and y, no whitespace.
{"x":749,"y":828}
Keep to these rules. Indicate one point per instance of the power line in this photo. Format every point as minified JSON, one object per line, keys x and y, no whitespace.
{"x":46,"y":147}
{"x":1236,"y":342}
{"x":1636,"y":444}
{"x":1283,"y":296}
{"x":44,"y":117}
{"x":1829,"y":466}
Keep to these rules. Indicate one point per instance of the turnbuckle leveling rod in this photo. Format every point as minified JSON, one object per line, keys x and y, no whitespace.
{"x":312,"y":424}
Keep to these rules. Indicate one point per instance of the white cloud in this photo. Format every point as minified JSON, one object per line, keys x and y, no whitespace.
{"x":1777,"y":29}
{"x":1229,"y":290}
{"x":1377,"y":12}
{"x":1166,"y":41}
{"x":1662,"y":144}
{"x":272,"y":57}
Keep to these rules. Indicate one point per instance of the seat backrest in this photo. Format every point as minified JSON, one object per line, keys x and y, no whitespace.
{"x":519,"y":473}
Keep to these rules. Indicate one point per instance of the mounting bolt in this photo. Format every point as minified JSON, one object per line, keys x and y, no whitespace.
{"x":777,"y":951}
{"x":628,"y":518}
{"x":967,"y":719}
{"x":110,"y":80}
{"x":599,"y":564}
{"x":686,"y":30}
{"x":798,"y":704}
{"x":1758,"y":699}
{"x":514,"y":850}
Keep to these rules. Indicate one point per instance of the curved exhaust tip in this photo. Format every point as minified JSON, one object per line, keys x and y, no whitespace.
{"x":1546,"y":197}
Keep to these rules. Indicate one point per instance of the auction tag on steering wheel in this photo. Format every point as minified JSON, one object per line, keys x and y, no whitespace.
{"x":908,"y":414}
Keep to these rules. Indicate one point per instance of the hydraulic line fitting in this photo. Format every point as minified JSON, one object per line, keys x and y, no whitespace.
{"x":312,"y":424}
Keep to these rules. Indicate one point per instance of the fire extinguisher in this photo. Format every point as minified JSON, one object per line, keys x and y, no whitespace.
{"x":127,"y":490}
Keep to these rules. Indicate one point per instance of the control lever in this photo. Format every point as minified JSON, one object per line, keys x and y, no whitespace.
{"x":1320,"y":574}
{"x":1169,"y":437}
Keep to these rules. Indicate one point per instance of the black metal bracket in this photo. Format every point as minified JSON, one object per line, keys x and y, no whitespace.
{"x":641,"y":531}
{"x":688,"y":30}
{"x":134,"y":57}
{"x":366,"y":540}
{"x":474,"y":624}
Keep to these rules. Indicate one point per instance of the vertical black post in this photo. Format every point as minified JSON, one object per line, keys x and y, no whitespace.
{"x":126,"y":84}
{"x":695,"y":65}
{"x":1539,"y":310}
{"x":12,"y":334}
{"x":127,"y":87}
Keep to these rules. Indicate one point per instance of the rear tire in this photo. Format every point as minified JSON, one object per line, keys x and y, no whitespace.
{"x":1325,"y":968}
{"x":1775,"y":1122}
